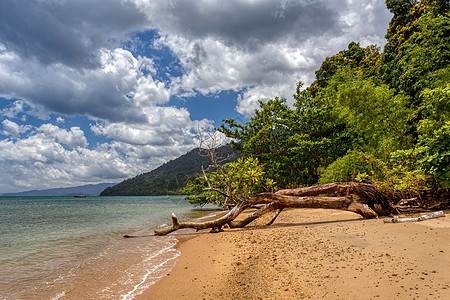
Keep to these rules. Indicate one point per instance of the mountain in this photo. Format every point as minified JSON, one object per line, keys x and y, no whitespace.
{"x":169,"y":178}
{"x":84,"y":190}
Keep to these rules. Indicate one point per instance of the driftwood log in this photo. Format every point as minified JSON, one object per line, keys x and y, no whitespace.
{"x":433,"y":215}
{"x":361,"y":198}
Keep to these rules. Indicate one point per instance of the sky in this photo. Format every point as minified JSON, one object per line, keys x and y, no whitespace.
{"x":95,"y":91}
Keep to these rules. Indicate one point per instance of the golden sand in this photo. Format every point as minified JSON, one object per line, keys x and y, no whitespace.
{"x":313,"y":254}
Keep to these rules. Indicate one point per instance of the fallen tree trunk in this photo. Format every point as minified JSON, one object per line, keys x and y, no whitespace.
{"x":361,"y":198}
{"x":364,"y":192}
{"x":214,"y":224}
{"x":342,"y":203}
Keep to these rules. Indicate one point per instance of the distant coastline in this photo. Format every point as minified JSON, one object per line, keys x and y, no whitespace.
{"x":83,"y":190}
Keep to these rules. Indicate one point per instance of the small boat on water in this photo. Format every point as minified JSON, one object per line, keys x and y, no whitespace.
{"x":79,"y":196}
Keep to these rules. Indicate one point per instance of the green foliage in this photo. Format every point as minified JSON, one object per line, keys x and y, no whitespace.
{"x":244,"y":177}
{"x":368,"y":116}
{"x":427,"y":50}
{"x":425,"y":168}
{"x":434,"y":134}
{"x":418,"y":44}
{"x":355,"y":166}
{"x":196,"y":194}
{"x":366,"y":60}
{"x":405,"y":165}
{"x":402,"y":175}
{"x":292,"y":144}
{"x":373,"y":111}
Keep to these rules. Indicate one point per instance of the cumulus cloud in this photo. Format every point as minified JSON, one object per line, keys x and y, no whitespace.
{"x":13,"y":129}
{"x":115,"y":91}
{"x":42,"y":159}
{"x":261,"y":48}
{"x":167,"y":126}
{"x":72,"y":138}
{"x":67,"y":32}
{"x":247,"y":24}
{"x":13,"y":110}
{"x":235,"y":45}
{"x":52,"y":156}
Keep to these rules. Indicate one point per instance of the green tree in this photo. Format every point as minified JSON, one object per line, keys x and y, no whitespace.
{"x":374,"y":112}
{"x":424,"y":54}
{"x":434,"y":135}
{"x":244,"y":178}
{"x":292,"y":143}
{"x":418,"y":45}
{"x":368,"y":60}
{"x":380,"y":112}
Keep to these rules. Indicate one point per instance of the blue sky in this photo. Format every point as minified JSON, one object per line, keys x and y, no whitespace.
{"x":96,"y":91}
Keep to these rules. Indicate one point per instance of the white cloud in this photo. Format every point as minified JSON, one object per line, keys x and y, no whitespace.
{"x":40,"y":162}
{"x":221,"y":45}
{"x":248,"y":101}
{"x":260,"y":48}
{"x":66,"y":32}
{"x":72,"y":138}
{"x":13,"y":110}
{"x":115,"y":91}
{"x":42,"y":159}
{"x":13,"y":129}
{"x":169,"y":132}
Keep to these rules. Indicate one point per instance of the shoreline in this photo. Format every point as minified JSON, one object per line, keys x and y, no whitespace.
{"x":312,"y":254}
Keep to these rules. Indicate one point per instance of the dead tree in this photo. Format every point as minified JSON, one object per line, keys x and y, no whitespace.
{"x":361,"y":198}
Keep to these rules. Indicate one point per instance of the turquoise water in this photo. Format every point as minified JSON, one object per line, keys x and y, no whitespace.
{"x":72,"y":248}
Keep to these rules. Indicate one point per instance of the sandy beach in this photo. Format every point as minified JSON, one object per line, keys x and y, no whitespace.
{"x":313,"y":254}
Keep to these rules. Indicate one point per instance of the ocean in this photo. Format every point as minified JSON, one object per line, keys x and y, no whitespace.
{"x":73,"y":248}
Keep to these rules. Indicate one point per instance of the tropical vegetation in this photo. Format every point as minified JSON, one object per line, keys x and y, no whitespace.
{"x":379,"y":117}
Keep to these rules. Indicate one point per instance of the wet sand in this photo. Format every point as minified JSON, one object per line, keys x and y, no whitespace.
{"x":314,"y":254}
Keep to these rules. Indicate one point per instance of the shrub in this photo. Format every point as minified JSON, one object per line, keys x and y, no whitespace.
{"x":355,"y":165}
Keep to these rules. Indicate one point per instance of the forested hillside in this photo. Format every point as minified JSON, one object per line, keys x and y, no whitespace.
{"x":169,"y":178}
{"x":379,"y":117}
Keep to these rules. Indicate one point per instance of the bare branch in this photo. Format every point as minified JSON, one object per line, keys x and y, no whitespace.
{"x":206,"y":178}
{"x":218,"y":223}
{"x":212,"y":143}
{"x":260,"y":212}
{"x":275,"y":216}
